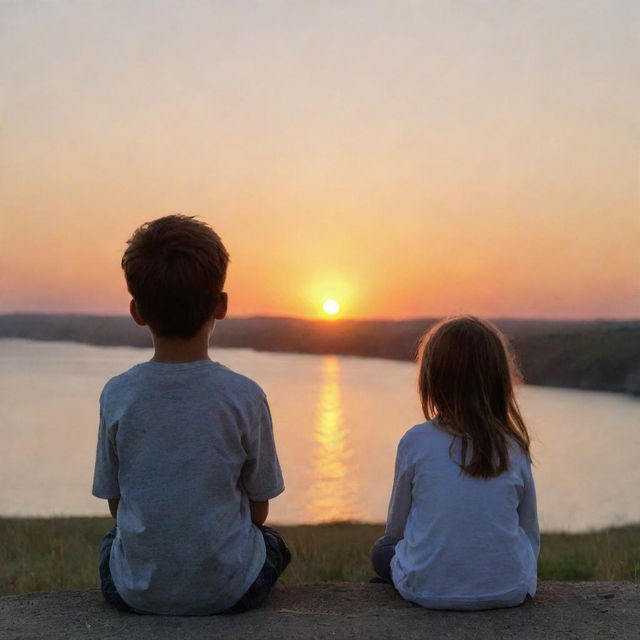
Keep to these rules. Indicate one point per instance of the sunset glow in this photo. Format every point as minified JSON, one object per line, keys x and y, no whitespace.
{"x":450,"y":165}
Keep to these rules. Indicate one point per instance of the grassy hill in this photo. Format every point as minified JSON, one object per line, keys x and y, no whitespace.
{"x":44,"y":554}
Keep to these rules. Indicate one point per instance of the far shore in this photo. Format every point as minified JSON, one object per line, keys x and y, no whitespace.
{"x":50,"y":554}
{"x":594,"y":355}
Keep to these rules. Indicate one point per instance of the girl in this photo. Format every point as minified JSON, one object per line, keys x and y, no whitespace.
{"x":462,"y":529}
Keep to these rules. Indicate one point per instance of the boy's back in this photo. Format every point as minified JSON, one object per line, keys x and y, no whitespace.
{"x":185,"y":446}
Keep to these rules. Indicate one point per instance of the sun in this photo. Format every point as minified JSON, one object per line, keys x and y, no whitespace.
{"x":330,"y":307}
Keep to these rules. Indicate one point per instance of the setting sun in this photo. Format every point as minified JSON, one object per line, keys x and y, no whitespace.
{"x":330,"y":307}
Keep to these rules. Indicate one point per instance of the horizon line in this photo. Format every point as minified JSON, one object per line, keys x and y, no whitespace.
{"x":341,"y":319}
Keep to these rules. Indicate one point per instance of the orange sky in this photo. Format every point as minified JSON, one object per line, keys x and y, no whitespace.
{"x":405,"y":158}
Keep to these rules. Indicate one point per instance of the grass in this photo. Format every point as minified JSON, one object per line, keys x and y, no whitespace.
{"x":61,"y":553}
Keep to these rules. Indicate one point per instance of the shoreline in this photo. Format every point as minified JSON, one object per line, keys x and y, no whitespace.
{"x":215,"y":347}
{"x":630,"y":388}
{"x":592,"y":355}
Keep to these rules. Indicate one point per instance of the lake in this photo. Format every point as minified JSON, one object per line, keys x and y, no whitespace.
{"x":337,"y":422}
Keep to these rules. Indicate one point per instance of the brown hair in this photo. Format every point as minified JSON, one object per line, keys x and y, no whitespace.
{"x":175,"y":269}
{"x":466,"y":378}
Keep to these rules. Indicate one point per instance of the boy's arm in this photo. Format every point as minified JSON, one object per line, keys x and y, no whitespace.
{"x":259,"y":511}
{"x":261,"y":476}
{"x":105,"y":475}
{"x":113,"y":507}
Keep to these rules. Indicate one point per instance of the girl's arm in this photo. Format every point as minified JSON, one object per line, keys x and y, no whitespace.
{"x":528,"y":510}
{"x":400,"y":502}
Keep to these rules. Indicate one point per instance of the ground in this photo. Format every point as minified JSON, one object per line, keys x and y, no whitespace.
{"x":562,"y":610}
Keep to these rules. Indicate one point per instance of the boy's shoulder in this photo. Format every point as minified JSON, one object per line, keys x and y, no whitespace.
{"x":237,"y":383}
{"x":222,"y":377}
{"x":117,"y":383}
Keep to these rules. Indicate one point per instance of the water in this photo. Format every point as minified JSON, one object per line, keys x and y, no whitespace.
{"x":337,"y":423}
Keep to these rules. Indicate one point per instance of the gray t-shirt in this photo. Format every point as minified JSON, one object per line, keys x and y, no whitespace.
{"x":185,"y":447}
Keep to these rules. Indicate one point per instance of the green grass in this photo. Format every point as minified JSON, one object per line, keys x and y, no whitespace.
{"x":610,"y":554}
{"x":61,"y":553}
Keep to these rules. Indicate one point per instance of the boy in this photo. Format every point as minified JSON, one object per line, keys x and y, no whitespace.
{"x":186,"y":455}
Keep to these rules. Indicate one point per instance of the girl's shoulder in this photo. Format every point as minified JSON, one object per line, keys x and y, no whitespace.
{"x":431,"y":428}
{"x":423,"y":435}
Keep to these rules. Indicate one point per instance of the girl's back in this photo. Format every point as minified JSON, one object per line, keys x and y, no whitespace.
{"x":464,"y":542}
{"x":462,"y":529}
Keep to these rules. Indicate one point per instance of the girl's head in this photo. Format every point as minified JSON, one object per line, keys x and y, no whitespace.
{"x":466,"y":380}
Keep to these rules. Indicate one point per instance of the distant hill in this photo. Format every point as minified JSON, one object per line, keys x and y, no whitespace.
{"x":596,"y":355}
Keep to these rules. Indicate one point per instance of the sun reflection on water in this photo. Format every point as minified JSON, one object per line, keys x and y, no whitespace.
{"x":333,"y":494}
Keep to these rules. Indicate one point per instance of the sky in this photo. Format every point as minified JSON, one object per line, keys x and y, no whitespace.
{"x":406,"y":159}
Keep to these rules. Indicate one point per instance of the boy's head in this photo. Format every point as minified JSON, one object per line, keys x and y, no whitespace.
{"x":175,"y":269}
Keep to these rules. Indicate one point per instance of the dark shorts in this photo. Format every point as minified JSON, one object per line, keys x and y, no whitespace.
{"x":276,"y":561}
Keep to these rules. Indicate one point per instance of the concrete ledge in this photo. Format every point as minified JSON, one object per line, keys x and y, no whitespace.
{"x":579,"y":610}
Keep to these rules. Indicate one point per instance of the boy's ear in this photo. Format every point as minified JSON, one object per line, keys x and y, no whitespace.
{"x":220,"y":310}
{"x":135,"y":314}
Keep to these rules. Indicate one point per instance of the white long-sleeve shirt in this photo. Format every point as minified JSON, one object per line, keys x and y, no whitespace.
{"x":462,"y":542}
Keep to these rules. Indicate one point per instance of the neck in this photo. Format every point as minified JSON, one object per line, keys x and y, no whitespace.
{"x":175,"y":350}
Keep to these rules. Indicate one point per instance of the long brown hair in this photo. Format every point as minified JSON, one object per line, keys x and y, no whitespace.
{"x":466,"y":378}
